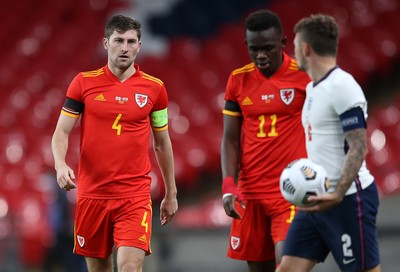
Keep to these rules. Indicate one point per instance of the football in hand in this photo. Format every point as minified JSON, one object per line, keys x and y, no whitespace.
{"x":303,"y":178}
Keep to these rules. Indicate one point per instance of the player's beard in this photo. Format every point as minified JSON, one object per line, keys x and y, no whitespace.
{"x":123,"y":65}
{"x":302,"y":64}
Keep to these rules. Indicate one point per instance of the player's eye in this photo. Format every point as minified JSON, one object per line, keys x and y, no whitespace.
{"x":252,"y":49}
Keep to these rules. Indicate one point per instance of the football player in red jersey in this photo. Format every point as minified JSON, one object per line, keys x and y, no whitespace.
{"x":120,"y":107}
{"x":262,"y":134}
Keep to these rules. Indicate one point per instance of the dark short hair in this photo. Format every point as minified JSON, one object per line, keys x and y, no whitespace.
{"x":262,"y":20}
{"x":121,"y":24}
{"x":321,"y":32}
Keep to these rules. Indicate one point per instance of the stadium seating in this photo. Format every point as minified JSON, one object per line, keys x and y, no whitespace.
{"x":56,"y":40}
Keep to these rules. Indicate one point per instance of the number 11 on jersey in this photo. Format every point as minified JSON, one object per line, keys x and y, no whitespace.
{"x":272,"y":130}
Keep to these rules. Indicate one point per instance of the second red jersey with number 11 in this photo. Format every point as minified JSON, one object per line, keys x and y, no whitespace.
{"x":272,"y":134}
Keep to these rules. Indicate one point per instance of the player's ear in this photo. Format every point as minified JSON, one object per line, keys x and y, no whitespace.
{"x":306,"y":49}
{"x":105,"y":43}
{"x":284,"y":41}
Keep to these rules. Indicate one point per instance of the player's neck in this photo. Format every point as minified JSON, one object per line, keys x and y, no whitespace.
{"x":320,"y":66}
{"x":122,"y":74}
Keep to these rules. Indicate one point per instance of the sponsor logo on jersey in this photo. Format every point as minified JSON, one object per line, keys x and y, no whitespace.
{"x":267,"y":97}
{"x":81,"y":240}
{"x":100,"y":97}
{"x":247,"y":101}
{"x":141,"y":100}
{"x":235,"y":242}
{"x":287,"y":95}
{"x":121,"y":100}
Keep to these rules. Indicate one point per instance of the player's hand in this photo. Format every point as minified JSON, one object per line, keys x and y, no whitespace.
{"x":168,"y":208}
{"x":322,"y":202}
{"x":231,"y":194}
{"x":65,"y":175}
{"x":231,"y":209}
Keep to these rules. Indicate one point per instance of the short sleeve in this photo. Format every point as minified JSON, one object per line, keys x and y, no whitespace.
{"x":162,"y":100}
{"x":230,"y":93}
{"x":347,"y":94}
{"x":75,"y":88}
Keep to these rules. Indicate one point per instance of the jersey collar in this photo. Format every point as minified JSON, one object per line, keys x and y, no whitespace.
{"x":110,"y":75}
{"x":325,"y":76}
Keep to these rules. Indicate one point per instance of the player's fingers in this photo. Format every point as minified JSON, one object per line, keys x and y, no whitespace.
{"x":318,"y":207}
{"x":69,"y":186}
{"x":166,"y":219}
{"x":229,"y":209}
{"x":72,"y":174}
{"x":164,"y":216}
{"x":66,"y":183}
{"x":61,"y":181}
{"x":236,"y":214}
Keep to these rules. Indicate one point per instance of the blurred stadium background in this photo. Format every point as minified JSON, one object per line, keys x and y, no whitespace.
{"x":192,"y":45}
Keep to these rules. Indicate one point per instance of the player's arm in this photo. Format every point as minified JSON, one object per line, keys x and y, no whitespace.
{"x":59,"y":145}
{"x":354,"y":127}
{"x":164,"y":154}
{"x":358,"y":149}
{"x":230,"y":152}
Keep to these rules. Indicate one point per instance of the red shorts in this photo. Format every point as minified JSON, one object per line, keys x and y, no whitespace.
{"x":99,"y":223}
{"x":263,"y":224}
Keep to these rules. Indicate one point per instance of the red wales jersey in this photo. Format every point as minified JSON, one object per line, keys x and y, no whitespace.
{"x":272,"y":133}
{"x":115,"y":131}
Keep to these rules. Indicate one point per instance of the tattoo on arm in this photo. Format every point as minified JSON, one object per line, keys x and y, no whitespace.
{"x":358,"y":149}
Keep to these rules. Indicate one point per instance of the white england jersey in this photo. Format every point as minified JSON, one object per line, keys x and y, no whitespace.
{"x":333,"y":95}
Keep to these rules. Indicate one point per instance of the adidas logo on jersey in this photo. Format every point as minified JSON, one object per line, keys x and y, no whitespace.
{"x":247,"y":101}
{"x":100,"y":97}
{"x":143,"y":238}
